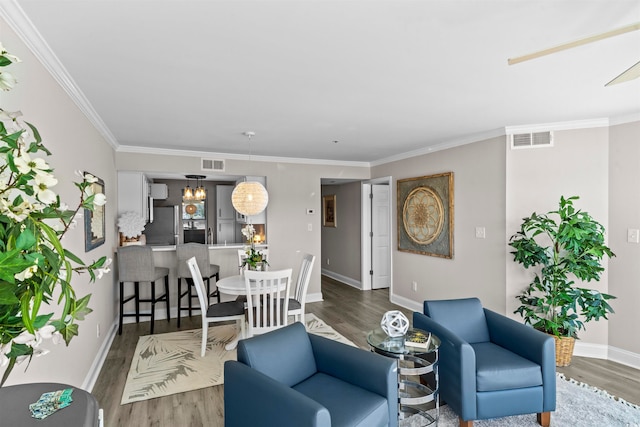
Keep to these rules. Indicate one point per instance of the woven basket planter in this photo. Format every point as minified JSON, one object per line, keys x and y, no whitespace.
{"x":564,"y":350}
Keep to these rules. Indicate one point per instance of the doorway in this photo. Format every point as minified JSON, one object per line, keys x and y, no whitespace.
{"x":376,"y":234}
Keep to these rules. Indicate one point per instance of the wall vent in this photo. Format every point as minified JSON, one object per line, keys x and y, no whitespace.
{"x":531,"y":140}
{"x":212,"y":165}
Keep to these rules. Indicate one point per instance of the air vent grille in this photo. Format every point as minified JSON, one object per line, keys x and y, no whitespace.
{"x":532,"y":140}
{"x":212,"y":165}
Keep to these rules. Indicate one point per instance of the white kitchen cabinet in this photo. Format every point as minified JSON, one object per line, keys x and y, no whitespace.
{"x":223,"y":202}
{"x":226,"y":231}
{"x":133,"y":194}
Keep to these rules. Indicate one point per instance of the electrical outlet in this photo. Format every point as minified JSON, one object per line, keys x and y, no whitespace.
{"x":480,"y":233}
{"x":633,"y":235}
{"x":98,"y":330}
{"x":327,"y":261}
{"x":309,"y":227}
{"x":414,"y":286}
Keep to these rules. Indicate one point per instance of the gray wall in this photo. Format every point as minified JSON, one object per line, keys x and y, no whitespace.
{"x":342,"y":245}
{"x":477,"y":267}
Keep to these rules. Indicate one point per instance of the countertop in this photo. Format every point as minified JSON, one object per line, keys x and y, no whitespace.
{"x":171,"y":248}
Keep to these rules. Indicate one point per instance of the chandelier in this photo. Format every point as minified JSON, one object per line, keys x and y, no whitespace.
{"x":249,"y":197}
{"x":197,"y":193}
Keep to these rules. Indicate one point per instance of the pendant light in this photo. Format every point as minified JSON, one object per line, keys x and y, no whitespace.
{"x":249,"y":197}
{"x":198,"y":193}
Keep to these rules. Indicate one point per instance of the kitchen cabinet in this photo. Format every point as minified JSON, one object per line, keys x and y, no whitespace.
{"x":133,"y":194}
{"x":223,"y":202}
{"x":226,"y":231}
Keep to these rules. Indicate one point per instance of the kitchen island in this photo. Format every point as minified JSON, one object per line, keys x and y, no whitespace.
{"x":226,"y":256}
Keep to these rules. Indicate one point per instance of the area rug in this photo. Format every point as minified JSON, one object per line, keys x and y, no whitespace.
{"x":577,"y":405}
{"x":166,"y":364}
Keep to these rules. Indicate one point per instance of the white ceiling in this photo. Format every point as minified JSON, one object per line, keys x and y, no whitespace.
{"x":379,"y":77}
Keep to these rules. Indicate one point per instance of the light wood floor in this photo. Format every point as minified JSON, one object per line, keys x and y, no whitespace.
{"x":349,"y":311}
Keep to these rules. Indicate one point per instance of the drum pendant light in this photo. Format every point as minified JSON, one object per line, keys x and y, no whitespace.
{"x":250,"y":197}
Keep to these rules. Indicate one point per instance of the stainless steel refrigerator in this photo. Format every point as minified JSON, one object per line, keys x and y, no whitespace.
{"x":166,"y":228}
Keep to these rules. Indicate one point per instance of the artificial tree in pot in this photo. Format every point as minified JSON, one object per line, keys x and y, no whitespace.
{"x":561,"y":245}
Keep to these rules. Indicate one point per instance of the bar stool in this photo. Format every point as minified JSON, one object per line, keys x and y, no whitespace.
{"x":135,"y":264}
{"x":201,"y":252}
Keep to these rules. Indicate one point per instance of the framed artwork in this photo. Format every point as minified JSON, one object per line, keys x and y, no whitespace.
{"x":425,"y":215}
{"x":329,"y":211}
{"x":94,"y":221}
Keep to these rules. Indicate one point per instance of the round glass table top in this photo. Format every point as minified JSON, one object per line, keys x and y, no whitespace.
{"x":415,"y":341}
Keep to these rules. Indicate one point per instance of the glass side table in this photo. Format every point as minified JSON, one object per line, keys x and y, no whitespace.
{"x":415,"y":363}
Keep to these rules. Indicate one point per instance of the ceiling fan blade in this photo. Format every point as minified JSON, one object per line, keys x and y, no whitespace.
{"x":631,"y":73}
{"x":575,"y":43}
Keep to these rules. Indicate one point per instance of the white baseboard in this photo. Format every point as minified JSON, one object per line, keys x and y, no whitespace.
{"x":343,"y":279}
{"x":98,"y":361}
{"x":585,"y":349}
{"x":406,"y":303}
{"x":315,"y":297}
{"x":624,"y":357}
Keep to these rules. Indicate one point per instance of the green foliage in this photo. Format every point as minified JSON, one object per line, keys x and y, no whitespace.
{"x":559,"y":245}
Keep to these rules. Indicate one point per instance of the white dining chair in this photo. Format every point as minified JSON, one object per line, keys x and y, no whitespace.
{"x":265,"y":292}
{"x":219,"y":312}
{"x":296,"y":304}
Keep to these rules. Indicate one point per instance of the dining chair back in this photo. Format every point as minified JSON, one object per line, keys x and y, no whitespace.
{"x":220,"y":312}
{"x":209,"y":271}
{"x":267,"y":302}
{"x":296,"y":304}
{"x":242,"y":254}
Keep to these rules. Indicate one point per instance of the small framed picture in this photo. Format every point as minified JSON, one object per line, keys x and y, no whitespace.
{"x":94,"y":221}
{"x":329,"y":210}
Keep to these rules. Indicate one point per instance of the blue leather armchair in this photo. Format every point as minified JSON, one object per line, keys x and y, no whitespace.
{"x":490,"y":366}
{"x":288,"y":377}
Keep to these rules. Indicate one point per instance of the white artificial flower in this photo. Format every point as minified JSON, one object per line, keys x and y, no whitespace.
{"x":99,"y":199}
{"x":46,"y":331}
{"x":90,"y":178}
{"x":4,"y":350}
{"x":43,"y":182}
{"x":26,"y":164}
{"x":104,"y":269}
{"x":26,"y":273}
{"x":7,"y":81}
{"x":12,"y":58}
{"x":26,"y":338}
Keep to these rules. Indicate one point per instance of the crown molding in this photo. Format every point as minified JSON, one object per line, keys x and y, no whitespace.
{"x":31,"y":37}
{"x":545,"y":127}
{"x":231,"y":156}
{"x":469,"y":139}
{"x":621,"y":120}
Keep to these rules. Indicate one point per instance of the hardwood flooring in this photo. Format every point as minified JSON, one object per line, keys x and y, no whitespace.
{"x":349,"y":311}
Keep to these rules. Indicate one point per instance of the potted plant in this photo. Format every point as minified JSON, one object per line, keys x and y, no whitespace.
{"x":35,"y":268}
{"x":561,"y":245}
{"x":255,"y":259}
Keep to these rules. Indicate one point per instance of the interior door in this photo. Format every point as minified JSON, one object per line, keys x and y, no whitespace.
{"x":380,"y":236}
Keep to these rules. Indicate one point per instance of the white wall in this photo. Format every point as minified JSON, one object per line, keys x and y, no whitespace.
{"x":76,"y":145}
{"x":624,"y":213}
{"x":477,"y":267}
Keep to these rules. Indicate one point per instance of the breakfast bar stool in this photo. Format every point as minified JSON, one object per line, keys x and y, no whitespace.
{"x":135,"y":264}
{"x":201,"y":252}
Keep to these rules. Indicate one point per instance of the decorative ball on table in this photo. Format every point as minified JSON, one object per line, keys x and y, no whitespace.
{"x":394,"y":323}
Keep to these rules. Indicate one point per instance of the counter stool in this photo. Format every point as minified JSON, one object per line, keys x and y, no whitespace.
{"x":201,"y":252}
{"x":135,"y":264}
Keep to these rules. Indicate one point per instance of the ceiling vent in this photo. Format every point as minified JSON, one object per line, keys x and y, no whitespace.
{"x":212,"y":165}
{"x":531,"y":140}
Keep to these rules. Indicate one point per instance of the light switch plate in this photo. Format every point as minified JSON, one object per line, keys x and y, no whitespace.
{"x":633,"y":235}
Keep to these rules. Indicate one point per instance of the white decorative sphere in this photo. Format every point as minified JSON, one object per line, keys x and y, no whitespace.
{"x":394,"y":323}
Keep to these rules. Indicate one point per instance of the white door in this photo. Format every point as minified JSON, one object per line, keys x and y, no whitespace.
{"x":380,"y":237}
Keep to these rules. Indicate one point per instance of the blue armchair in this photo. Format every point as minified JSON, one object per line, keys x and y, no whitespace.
{"x":490,"y":366}
{"x":288,"y":377}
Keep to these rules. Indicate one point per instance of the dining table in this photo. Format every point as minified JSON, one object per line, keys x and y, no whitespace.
{"x":235,"y":285}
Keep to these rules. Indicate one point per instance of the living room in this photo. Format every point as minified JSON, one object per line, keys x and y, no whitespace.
{"x":494,"y":187}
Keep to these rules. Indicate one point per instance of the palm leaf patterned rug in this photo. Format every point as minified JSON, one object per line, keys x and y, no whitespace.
{"x":165,"y":364}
